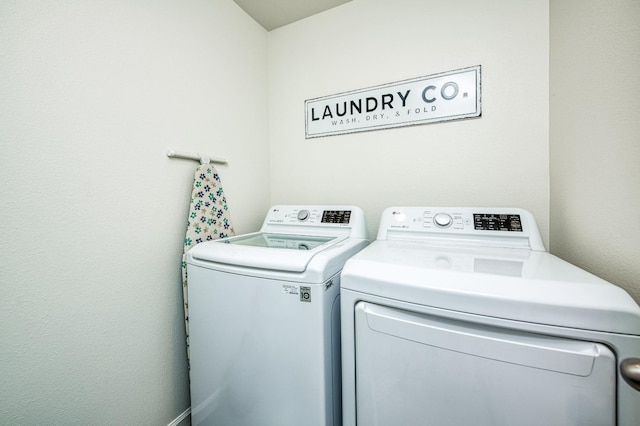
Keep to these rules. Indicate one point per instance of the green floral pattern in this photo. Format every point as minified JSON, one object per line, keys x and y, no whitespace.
{"x":208,"y":220}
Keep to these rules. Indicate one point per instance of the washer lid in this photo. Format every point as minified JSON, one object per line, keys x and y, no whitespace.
{"x":281,"y":252}
{"x":513,"y":284}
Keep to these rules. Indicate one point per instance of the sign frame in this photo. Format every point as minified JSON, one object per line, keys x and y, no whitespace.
{"x":445,"y":96}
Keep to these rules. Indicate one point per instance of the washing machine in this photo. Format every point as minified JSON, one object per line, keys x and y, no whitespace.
{"x":458,"y":316}
{"x":264,"y":319}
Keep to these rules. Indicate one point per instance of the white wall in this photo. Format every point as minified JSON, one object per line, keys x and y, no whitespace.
{"x":500,"y":159}
{"x":93,"y":213}
{"x":595,"y":144}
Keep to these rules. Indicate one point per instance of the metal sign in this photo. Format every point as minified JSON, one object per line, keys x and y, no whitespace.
{"x":439,"y":97}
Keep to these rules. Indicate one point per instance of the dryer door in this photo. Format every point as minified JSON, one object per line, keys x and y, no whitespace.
{"x":415,"y":369}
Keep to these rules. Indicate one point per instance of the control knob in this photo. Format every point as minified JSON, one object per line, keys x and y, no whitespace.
{"x":443,"y":220}
{"x":303,"y":215}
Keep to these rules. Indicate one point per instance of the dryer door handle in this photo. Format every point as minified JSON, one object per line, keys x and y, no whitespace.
{"x":630,"y":370}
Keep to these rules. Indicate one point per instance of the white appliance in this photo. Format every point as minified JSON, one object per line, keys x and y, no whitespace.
{"x":265,"y":319}
{"x":458,"y":316}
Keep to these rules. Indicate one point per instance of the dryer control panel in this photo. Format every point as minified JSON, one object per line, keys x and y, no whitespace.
{"x":501,"y":227}
{"x":480,"y":221}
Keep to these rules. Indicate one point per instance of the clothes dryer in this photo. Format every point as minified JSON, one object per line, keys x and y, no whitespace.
{"x":264,"y":319}
{"x":458,"y":316}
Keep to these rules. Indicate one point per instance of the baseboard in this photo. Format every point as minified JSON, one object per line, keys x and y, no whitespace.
{"x":183,"y":419}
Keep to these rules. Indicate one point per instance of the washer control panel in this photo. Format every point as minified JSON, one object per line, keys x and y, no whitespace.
{"x":313,"y":219}
{"x":309,"y":216}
